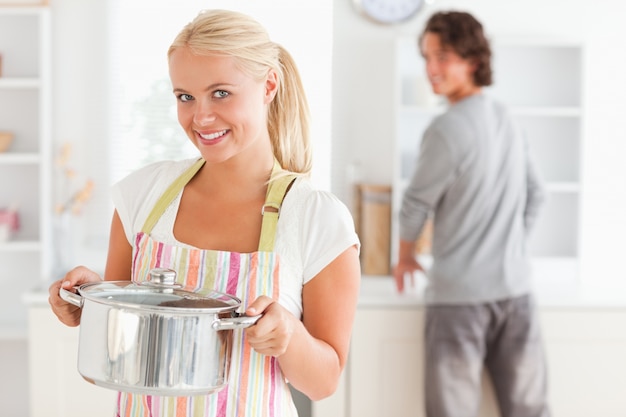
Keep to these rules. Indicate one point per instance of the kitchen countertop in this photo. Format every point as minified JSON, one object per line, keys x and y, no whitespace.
{"x":556,"y":285}
{"x":380,"y":291}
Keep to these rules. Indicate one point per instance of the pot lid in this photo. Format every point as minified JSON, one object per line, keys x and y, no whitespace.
{"x":160,"y":293}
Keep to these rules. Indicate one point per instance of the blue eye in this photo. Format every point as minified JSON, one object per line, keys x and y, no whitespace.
{"x":221,"y":94}
{"x":185,"y":97}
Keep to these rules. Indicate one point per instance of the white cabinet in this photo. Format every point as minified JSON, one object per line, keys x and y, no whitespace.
{"x":584,"y":348}
{"x":541,"y":83}
{"x":56,"y":387}
{"x":25,"y":166}
{"x":586,"y":362}
{"x":386,"y":371}
{"x":386,"y":364}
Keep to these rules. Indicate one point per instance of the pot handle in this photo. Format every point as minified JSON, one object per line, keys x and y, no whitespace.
{"x":238,"y":322}
{"x":71,"y":298}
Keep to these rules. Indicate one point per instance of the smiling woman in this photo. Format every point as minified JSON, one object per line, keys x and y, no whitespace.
{"x":142,"y":105}
{"x":141,"y":124}
{"x":241,"y":102}
{"x":112,"y":93}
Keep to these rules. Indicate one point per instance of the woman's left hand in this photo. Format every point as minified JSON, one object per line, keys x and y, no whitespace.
{"x":272,"y":333}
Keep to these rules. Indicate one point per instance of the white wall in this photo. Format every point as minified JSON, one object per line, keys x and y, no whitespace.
{"x":362,"y":105}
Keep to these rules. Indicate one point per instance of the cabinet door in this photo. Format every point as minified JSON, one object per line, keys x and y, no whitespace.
{"x":56,"y":387}
{"x":386,"y":370}
{"x":386,"y":364}
{"x":586,"y":361}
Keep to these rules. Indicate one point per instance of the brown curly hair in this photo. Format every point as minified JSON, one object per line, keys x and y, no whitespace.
{"x":464,"y":34}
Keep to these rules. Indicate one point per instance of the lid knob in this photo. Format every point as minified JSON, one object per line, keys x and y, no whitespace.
{"x":162,"y":276}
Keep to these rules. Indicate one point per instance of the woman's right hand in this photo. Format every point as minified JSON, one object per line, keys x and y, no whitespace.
{"x":68,"y":313}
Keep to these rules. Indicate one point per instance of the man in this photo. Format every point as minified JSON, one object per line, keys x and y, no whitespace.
{"x":475,"y":175}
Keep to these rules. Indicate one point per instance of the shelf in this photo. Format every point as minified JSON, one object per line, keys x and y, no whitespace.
{"x":25,"y":180}
{"x":26,"y":9}
{"x":563,"y":187}
{"x":552,"y":187}
{"x":17,"y":83}
{"x":421,"y":110}
{"x":10,"y":158}
{"x":20,"y":246}
{"x":546,"y":101}
{"x":535,"y":42}
{"x":547,"y":111}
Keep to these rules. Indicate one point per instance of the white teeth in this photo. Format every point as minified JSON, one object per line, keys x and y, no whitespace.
{"x":213,"y":135}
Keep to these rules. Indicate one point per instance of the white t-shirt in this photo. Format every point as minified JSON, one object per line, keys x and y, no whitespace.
{"x":314,"y":226}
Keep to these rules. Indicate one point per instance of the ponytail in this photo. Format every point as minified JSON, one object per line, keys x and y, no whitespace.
{"x":288,"y":119}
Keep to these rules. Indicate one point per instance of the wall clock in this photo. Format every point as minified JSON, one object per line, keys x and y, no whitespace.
{"x":388,"y":11}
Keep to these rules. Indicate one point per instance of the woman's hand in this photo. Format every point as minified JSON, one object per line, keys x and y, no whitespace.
{"x":272,"y":333}
{"x":69,"y":314}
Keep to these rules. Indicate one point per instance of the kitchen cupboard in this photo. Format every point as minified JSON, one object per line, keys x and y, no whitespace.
{"x":386,"y":365}
{"x":586,"y":367}
{"x":540,"y":80}
{"x":25,"y":166}
{"x":56,"y":387}
{"x":584,"y":338}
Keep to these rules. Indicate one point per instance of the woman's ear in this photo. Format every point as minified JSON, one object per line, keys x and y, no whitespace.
{"x":271,"y":86}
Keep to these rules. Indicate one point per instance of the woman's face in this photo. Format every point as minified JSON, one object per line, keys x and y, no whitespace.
{"x":221,"y":108}
{"x":449,"y":74}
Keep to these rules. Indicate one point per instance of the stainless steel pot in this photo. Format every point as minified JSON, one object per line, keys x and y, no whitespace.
{"x":155,"y":337}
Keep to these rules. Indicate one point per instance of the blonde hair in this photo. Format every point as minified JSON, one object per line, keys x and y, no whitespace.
{"x":236,"y":35}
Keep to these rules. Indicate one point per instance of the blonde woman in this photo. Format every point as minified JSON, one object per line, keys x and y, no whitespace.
{"x":241,"y":103}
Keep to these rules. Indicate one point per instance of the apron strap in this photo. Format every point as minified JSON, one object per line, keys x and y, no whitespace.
{"x":276,"y":191}
{"x":169,"y":195}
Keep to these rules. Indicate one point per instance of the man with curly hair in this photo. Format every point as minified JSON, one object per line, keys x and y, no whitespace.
{"x":475,"y":176}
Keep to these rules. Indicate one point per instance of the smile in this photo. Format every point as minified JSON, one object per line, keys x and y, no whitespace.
{"x":213,"y":136}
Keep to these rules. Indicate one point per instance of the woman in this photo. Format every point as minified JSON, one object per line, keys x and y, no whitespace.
{"x":241,"y":102}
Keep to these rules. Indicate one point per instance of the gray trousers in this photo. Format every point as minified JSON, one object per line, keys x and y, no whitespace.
{"x":505,"y":338}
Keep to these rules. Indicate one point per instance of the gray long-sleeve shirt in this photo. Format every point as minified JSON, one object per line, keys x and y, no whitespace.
{"x":475,"y":175}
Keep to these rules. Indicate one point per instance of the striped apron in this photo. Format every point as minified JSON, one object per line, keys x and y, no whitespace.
{"x":256,"y":386}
